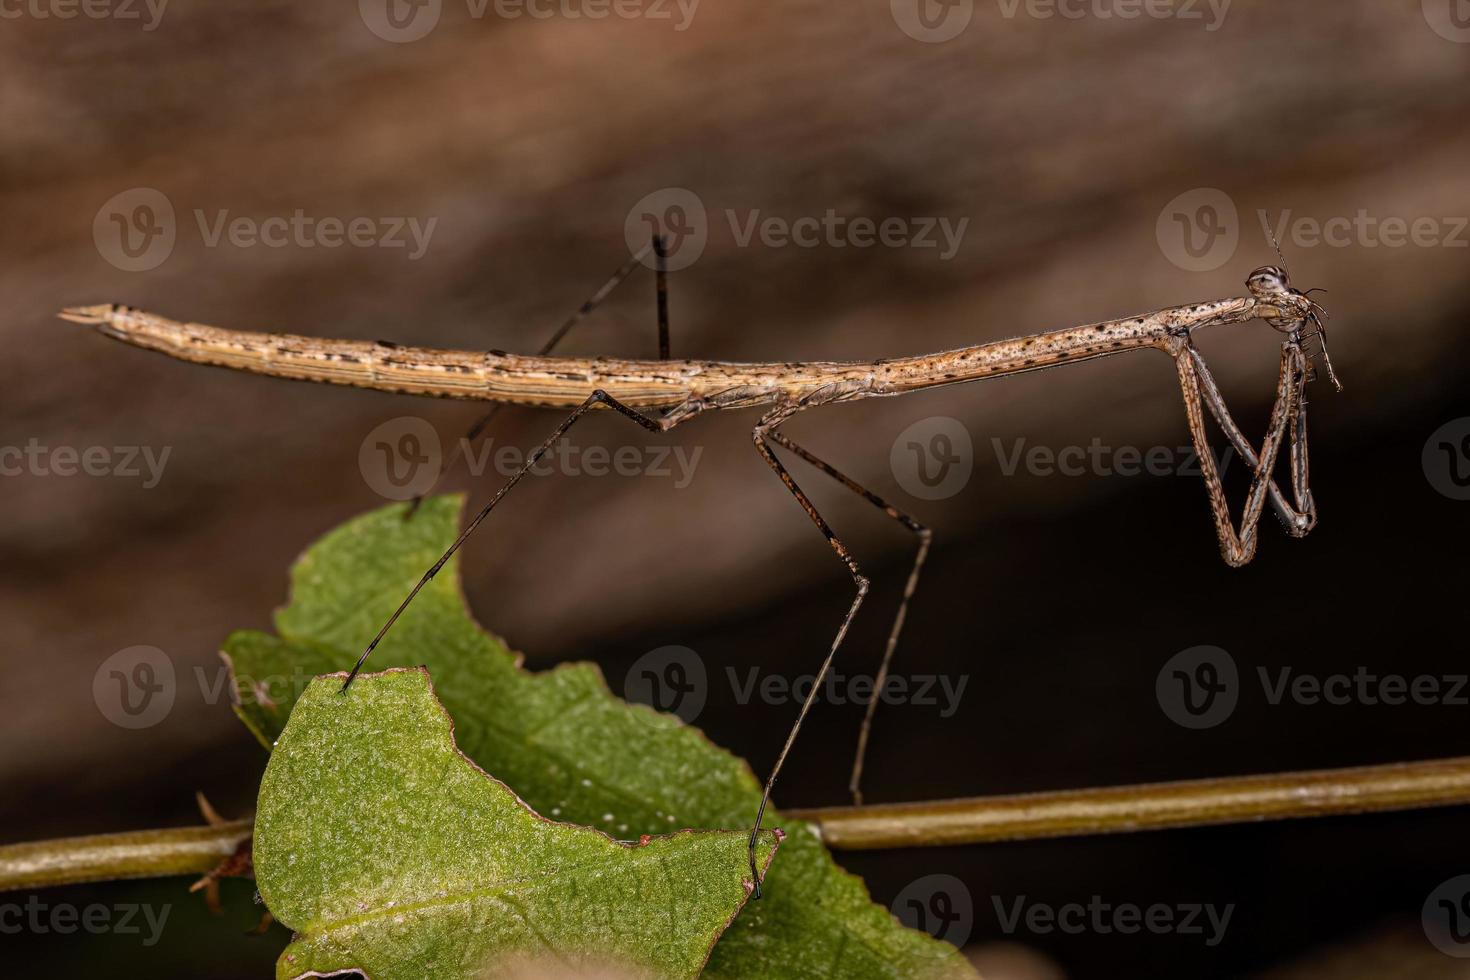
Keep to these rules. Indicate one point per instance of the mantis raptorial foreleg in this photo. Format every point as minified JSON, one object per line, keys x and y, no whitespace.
{"x":1239,"y":546}
{"x":1300,"y":519}
{"x":925,"y":537}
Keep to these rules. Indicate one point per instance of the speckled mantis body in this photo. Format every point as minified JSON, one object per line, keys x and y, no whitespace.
{"x":661,"y":394}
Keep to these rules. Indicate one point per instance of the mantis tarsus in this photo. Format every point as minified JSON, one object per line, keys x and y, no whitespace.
{"x":659,"y":395}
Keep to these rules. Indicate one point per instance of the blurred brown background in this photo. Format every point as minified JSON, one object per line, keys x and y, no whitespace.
{"x":1077,"y":150}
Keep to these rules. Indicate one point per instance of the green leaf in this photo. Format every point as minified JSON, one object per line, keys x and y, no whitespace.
{"x":565,"y":744}
{"x":390,"y":852}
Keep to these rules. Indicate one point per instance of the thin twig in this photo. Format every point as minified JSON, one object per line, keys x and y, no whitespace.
{"x":110,"y":857}
{"x":1120,"y":809}
{"x":1124,"y":809}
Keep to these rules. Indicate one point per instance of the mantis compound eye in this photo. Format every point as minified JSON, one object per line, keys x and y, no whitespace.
{"x":1269,"y":283}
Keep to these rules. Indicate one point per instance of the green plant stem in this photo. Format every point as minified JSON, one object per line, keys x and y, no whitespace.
{"x":1118,"y":809}
{"x":1125,"y":809}
{"x":109,"y":857}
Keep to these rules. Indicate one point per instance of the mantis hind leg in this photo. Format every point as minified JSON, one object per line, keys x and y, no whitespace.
{"x":925,"y":537}
{"x":762,"y":436}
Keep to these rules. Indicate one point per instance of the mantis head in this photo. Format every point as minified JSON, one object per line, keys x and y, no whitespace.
{"x":1271,"y":285}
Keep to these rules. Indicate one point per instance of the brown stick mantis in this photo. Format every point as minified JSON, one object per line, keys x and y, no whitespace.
{"x":659,"y":395}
